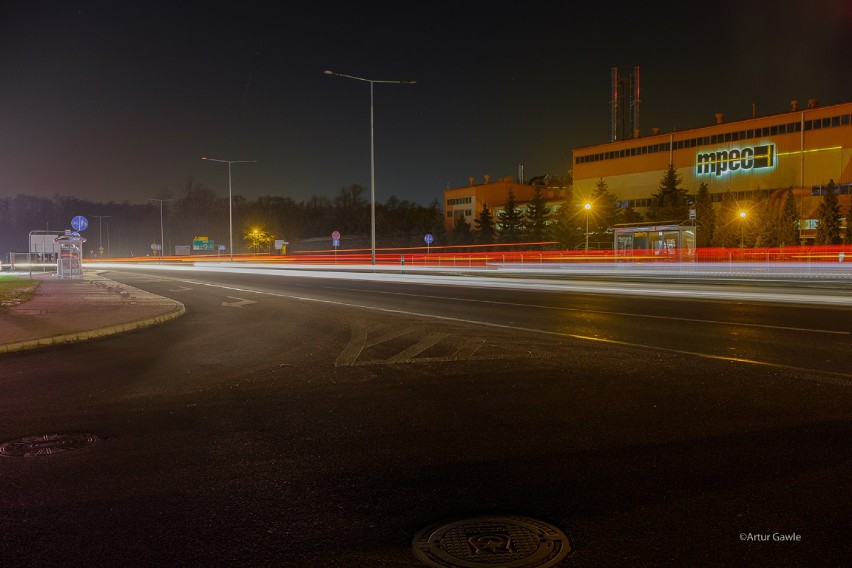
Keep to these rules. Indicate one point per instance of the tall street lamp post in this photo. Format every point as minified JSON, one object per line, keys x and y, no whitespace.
{"x":588,"y":208}
{"x":230,"y":199}
{"x":100,"y":219}
{"x":372,"y":156}
{"x":162,"y":242}
{"x":742,"y":229}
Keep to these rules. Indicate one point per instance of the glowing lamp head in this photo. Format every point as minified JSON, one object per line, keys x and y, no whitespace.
{"x":587,"y":206}
{"x":742,"y":214}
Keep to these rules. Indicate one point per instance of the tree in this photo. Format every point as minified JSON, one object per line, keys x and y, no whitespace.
{"x":670,"y":202}
{"x":485,"y":231}
{"x":765,"y":223}
{"x":705,"y":214}
{"x":511,"y":221}
{"x":630,"y":215}
{"x":727,"y":232}
{"x":788,"y":225}
{"x":828,"y":218}
{"x":538,"y":216}
{"x":461,"y":233}
{"x":849,"y":225}
{"x":605,"y":212}
{"x":257,"y":238}
{"x":568,"y":228}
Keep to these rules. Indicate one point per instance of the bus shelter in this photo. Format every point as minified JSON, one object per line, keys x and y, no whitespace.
{"x":70,"y":262}
{"x":671,"y":241}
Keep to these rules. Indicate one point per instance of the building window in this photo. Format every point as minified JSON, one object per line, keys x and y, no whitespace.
{"x":844,"y":120}
{"x":835,"y":121}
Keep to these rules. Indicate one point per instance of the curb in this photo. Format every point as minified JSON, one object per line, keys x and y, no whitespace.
{"x":80,"y":336}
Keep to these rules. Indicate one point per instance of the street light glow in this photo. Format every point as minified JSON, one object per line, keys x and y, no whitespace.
{"x":588,"y":208}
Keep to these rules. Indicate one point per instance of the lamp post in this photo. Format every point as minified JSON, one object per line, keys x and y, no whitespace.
{"x":230,"y":198}
{"x":100,"y":219}
{"x":588,"y":208}
{"x":162,"y":241}
{"x":742,"y":228}
{"x":372,"y":156}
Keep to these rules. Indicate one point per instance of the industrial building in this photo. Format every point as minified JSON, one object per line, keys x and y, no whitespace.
{"x":803,"y":149}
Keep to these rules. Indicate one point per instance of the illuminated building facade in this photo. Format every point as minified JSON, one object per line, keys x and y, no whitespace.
{"x":803,"y":149}
{"x":466,"y":202}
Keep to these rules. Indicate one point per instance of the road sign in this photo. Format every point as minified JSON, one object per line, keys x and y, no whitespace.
{"x":335,"y":235}
{"x":692,"y":213}
{"x":335,"y":243}
{"x":428,"y":238}
{"x":79,"y":223}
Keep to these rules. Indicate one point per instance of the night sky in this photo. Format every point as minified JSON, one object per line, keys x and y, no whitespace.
{"x":119,"y":100}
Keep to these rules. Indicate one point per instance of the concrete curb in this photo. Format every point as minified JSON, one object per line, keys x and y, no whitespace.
{"x":80,"y":336}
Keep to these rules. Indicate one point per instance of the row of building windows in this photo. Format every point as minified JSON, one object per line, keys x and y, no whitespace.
{"x":467,"y":212}
{"x":459,"y":200}
{"x":788,"y":128}
{"x":843,"y":188}
{"x":714,"y":197}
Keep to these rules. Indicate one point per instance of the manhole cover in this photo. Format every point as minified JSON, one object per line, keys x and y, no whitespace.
{"x":504,"y":541}
{"x":45,"y":444}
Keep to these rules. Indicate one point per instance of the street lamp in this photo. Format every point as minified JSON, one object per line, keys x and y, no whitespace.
{"x":162,"y":242}
{"x":742,"y":229}
{"x":230,"y":199}
{"x":588,"y":208}
{"x":100,"y":219}
{"x":372,"y":156}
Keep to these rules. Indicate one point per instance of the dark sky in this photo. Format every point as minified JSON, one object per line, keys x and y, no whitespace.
{"x":118,"y":100}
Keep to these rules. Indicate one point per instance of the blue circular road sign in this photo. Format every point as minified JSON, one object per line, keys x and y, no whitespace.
{"x":428,"y":238}
{"x":79,"y":223}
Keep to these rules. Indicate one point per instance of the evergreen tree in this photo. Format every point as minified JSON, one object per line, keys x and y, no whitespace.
{"x":828,"y":218}
{"x":604,"y":213}
{"x":705,"y":215}
{"x":670,"y":202}
{"x":511,"y":221}
{"x":461,"y":233}
{"x":538,"y":216}
{"x":568,"y":227}
{"x":788,"y":225}
{"x":630,"y":215}
{"x":849,"y":225}
{"x":727,"y":232}
{"x":764,"y":223}
{"x":485,"y":230}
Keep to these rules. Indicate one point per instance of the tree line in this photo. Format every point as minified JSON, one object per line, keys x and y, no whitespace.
{"x":129,"y":229}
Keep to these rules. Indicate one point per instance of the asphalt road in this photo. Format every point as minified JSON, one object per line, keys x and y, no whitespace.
{"x":309,"y":422}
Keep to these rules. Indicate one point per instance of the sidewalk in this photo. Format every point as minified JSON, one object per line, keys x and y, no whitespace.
{"x":70,"y":310}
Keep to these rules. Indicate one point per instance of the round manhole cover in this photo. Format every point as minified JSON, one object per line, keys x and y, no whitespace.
{"x":46,"y":444}
{"x":504,"y":541}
